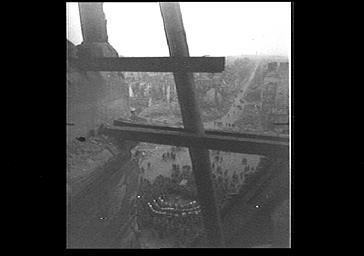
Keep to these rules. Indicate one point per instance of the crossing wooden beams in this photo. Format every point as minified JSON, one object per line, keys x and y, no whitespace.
{"x":200,"y":158}
{"x":193,"y":135}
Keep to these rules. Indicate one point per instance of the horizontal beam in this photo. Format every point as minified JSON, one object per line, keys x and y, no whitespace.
{"x":214,"y":142}
{"x":152,"y":64}
{"x":281,"y":138}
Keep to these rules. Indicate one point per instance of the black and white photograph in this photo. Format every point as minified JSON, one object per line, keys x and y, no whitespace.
{"x":179,"y":118}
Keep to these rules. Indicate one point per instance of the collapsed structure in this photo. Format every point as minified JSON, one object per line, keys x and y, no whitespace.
{"x":103,"y":180}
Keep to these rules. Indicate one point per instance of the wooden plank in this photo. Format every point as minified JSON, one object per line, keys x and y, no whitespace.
{"x":281,"y":138}
{"x":200,"y":158}
{"x":208,"y":141}
{"x":152,"y":64}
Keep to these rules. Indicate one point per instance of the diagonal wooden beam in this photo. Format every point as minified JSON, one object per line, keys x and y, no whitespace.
{"x":152,"y":64}
{"x":200,"y":158}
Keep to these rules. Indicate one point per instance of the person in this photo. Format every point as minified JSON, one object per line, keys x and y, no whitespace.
{"x":218,"y":170}
{"x":216,"y":158}
{"x":133,"y":115}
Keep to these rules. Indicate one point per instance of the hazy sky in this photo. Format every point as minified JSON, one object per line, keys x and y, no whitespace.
{"x":216,"y":29}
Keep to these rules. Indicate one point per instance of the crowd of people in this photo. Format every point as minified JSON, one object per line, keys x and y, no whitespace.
{"x":174,"y":205}
{"x":169,"y":156}
{"x":181,"y":219}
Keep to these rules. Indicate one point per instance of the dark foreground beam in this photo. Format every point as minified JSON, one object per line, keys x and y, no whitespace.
{"x":152,"y":64}
{"x":208,"y":141}
{"x":276,"y":138}
{"x":191,"y":116}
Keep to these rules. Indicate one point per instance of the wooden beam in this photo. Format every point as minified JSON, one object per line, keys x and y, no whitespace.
{"x":277,"y":138}
{"x":200,"y":158}
{"x":208,"y":141}
{"x":152,"y":64}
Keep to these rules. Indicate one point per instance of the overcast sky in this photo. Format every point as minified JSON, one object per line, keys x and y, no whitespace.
{"x":215,"y":29}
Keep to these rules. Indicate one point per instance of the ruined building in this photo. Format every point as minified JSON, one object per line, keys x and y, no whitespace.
{"x":101,"y":179}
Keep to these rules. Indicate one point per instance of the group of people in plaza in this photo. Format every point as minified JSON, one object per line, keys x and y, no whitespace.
{"x":174,"y":208}
{"x":171,"y":217}
{"x":169,"y":156}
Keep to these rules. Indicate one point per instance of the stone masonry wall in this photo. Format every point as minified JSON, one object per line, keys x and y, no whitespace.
{"x":102,"y":183}
{"x":102,"y":180}
{"x":94,"y":98}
